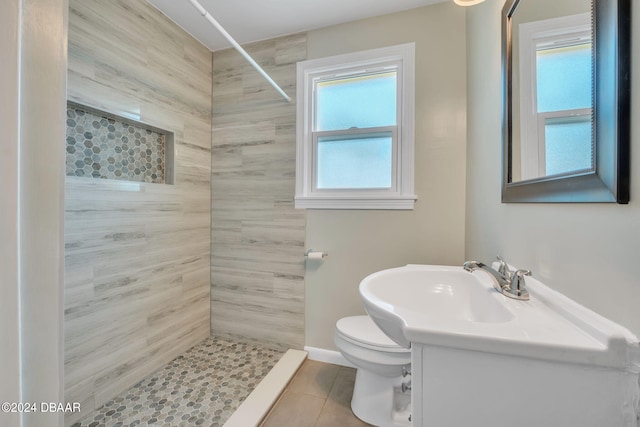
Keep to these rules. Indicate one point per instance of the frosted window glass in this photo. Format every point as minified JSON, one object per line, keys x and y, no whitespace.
{"x":360,"y":102}
{"x":564,"y":78}
{"x":354,"y":162}
{"x":568,"y":146}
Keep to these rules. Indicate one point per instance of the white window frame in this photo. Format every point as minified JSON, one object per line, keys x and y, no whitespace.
{"x":400,"y":196}
{"x":558,"y":32}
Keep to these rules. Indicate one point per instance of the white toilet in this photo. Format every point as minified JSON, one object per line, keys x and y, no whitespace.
{"x":378,"y":398}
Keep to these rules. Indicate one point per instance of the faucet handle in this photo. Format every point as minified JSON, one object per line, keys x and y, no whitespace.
{"x":517,"y":288}
{"x":517,"y":281}
{"x":503,"y":268}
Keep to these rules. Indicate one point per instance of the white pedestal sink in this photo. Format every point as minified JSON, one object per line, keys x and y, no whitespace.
{"x":482,"y":359}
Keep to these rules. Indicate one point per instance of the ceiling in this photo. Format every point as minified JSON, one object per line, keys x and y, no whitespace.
{"x":253,"y":20}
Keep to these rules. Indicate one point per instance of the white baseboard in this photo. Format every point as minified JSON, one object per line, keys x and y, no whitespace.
{"x":327,"y":356}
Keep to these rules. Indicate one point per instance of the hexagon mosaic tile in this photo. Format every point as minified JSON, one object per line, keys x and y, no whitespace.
{"x":203,"y":387}
{"x":104,"y":147}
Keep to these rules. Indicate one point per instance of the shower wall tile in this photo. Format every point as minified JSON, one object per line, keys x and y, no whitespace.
{"x":137,"y":254}
{"x":257,"y":256}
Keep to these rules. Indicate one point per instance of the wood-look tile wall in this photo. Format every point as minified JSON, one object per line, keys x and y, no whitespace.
{"x":137,"y":255}
{"x":257,"y":256}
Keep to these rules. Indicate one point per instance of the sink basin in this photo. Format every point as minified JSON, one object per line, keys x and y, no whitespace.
{"x":436,"y":297}
{"x":448,"y":306}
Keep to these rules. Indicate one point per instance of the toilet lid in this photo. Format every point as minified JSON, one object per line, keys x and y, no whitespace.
{"x":364,"y":330}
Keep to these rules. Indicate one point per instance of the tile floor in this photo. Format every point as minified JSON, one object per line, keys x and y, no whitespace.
{"x":200,"y":388}
{"x":318,"y":396}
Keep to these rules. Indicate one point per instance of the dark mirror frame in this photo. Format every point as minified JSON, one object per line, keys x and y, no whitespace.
{"x":609,"y":182}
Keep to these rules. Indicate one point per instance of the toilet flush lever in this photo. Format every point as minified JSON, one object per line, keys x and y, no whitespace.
{"x":405,"y":371}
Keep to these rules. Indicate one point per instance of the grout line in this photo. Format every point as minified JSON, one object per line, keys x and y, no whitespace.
{"x":287,"y":390}
{"x":324,"y":405}
{"x":326,"y":399}
{"x":258,"y":404}
{"x":274,"y":406}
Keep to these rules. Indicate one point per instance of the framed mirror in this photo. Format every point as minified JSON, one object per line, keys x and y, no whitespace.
{"x":566,"y":100}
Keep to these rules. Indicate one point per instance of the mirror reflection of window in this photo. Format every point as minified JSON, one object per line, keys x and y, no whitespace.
{"x":556,"y":115}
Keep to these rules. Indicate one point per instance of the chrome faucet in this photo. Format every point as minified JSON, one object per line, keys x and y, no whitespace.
{"x":508,"y":283}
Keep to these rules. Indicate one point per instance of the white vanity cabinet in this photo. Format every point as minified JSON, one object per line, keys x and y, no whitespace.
{"x":462,"y":388}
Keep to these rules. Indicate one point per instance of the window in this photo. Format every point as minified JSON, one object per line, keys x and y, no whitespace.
{"x":355,"y":130}
{"x":556,"y":84}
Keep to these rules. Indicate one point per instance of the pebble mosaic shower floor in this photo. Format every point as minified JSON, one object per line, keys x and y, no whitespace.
{"x":203,"y":387}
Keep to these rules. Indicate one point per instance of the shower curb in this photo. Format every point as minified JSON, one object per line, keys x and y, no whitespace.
{"x":258,"y":404}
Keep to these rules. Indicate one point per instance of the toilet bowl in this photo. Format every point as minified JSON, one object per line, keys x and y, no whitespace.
{"x":378,"y":398}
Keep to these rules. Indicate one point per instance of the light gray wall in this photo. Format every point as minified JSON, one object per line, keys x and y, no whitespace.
{"x":586,"y":251}
{"x":9,"y":179}
{"x":43,"y":84}
{"x":362,"y":242}
{"x":33,"y":86}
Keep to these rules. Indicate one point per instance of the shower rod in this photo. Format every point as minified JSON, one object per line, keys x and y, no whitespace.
{"x":239,"y":48}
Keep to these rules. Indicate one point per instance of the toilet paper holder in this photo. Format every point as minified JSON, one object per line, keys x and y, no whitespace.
{"x":311,"y":254}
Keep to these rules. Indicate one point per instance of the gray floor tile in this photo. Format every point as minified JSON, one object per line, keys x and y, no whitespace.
{"x":314,"y":378}
{"x":319,"y":396}
{"x":295,"y":410}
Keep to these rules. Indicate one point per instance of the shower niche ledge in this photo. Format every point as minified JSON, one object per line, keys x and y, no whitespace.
{"x":102,"y":145}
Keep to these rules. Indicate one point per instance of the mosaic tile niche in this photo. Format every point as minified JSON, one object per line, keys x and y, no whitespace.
{"x":102,"y":145}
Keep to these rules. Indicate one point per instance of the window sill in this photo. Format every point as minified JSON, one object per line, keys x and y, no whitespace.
{"x":387,"y":203}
